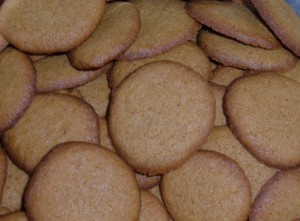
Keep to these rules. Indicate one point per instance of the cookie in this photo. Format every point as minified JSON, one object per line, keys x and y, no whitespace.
{"x":234,"y":20}
{"x":223,"y":75}
{"x":82,"y":181}
{"x":235,"y":54}
{"x":51,"y":119}
{"x":17,"y":83}
{"x":3,"y":170}
{"x":164,"y":24}
{"x":293,"y":73}
{"x":97,"y":93}
{"x":146,"y":182}
{"x":223,"y":141}
{"x":114,"y":34}
{"x":159,"y":115}
{"x":47,"y":27}
{"x":17,"y":216}
{"x":279,"y":198}
{"x":209,"y":186}
{"x":219,"y":92}
{"x":188,"y":54}
{"x":257,"y":108}
{"x":55,"y":73}
{"x":282,"y":20}
{"x":151,"y":208}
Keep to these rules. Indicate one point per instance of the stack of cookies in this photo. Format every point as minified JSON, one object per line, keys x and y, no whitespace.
{"x":149,"y":110}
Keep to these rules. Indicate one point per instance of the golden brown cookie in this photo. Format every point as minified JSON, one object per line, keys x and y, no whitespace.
{"x":97,"y":93}
{"x":235,"y":54}
{"x":56,"y":73}
{"x":3,"y":170}
{"x":46,"y":27}
{"x":283,"y":21}
{"x":279,"y":198}
{"x":159,"y":115}
{"x":114,"y":34}
{"x":188,"y":54}
{"x":225,"y":75}
{"x":263,"y":112}
{"x":219,"y":92}
{"x":146,"y":182}
{"x":222,"y":141}
{"x":234,"y":20}
{"x":51,"y":119}
{"x":17,"y":83}
{"x":152,"y":209}
{"x":164,"y":24}
{"x":17,"y":216}
{"x":209,"y":186}
{"x":82,"y":181}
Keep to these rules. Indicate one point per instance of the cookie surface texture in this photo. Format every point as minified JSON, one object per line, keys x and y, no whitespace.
{"x":47,"y":27}
{"x":209,"y":186}
{"x":17,"y":83}
{"x":164,"y":24}
{"x":159,"y":115}
{"x":51,"y":119}
{"x":116,"y":32}
{"x":258,"y":107}
{"x":82,"y":181}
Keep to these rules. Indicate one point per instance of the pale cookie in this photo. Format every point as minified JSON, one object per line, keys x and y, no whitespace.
{"x":188,"y":54}
{"x":41,"y":27}
{"x":159,"y":115}
{"x":146,"y":182}
{"x":3,"y":170}
{"x":17,"y":83}
{"x":222,"y":141}
{"x":219,"y":92}
{"x":164,"y":24}
{"x":152,"y":209}
{"x":233,"y":20}
{"x":56,"y":73}
{"x":51,"y":119}
{"x":225,"y":75}
{"x":263,"y":112}
{"x":209,"y":187}
{"x":235,"y":54}
{"x":279,"y":199}
{"x":17,"y":216}
{"x":283,"y":21}
{"x":114,"y":34}
{"x":82,"y":181}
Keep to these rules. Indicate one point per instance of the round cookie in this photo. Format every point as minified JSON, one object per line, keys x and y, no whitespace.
{"x":279,"y":198}
{"x":233,"y":20}
{"x":235,"y":54}
{"x":219,"y":92}
{"x":3,"y":170}
{"x":188,"y":54}
{"x":17,"y":216}
{"x":47,"y":27}
{"x":51,"y":119}
{"x":282,"y":20}
{"x":55,"y":73}
{"x":17,"y":83}
{"x":164,"y":24}
{"x":102,"y":185}
{"x":152,"y":209}
{"x":159,"y":115}
{"x":223,"y":75}
{"x":114,"y":34}
{"x":146,"y":182}
{"x":209,"y":186}
{"x":222,"y":141}
{"x":263,"y":112}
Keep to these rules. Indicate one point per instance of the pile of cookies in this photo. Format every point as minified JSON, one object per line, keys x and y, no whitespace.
{"x":149,"y":110}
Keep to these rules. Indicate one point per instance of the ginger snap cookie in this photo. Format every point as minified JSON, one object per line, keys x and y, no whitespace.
{"x":283,"y":21}
{"x":3,"y":170}
{"x":55,"y":73}
{"x":16,"y":216}
{"x":235,"y":54}
{"x":114,"y":34}
{"x":209,"y":186}
{"x":47,"y":27}
{"x":223,"y":141}
{"x":82,"y":181}
{"x":17,"y":83}
{"x":188,"y":54}
{"x":219,"y":92}
{"x":258,"y":107}
{"x":223,"y":75}
{"x":164,"y":24}
{"x":279,"y":198}
{"x":151,"y":208}
{"x":234,"y":20}
{"x":159,"y":115}
{"x":51,"y":119}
